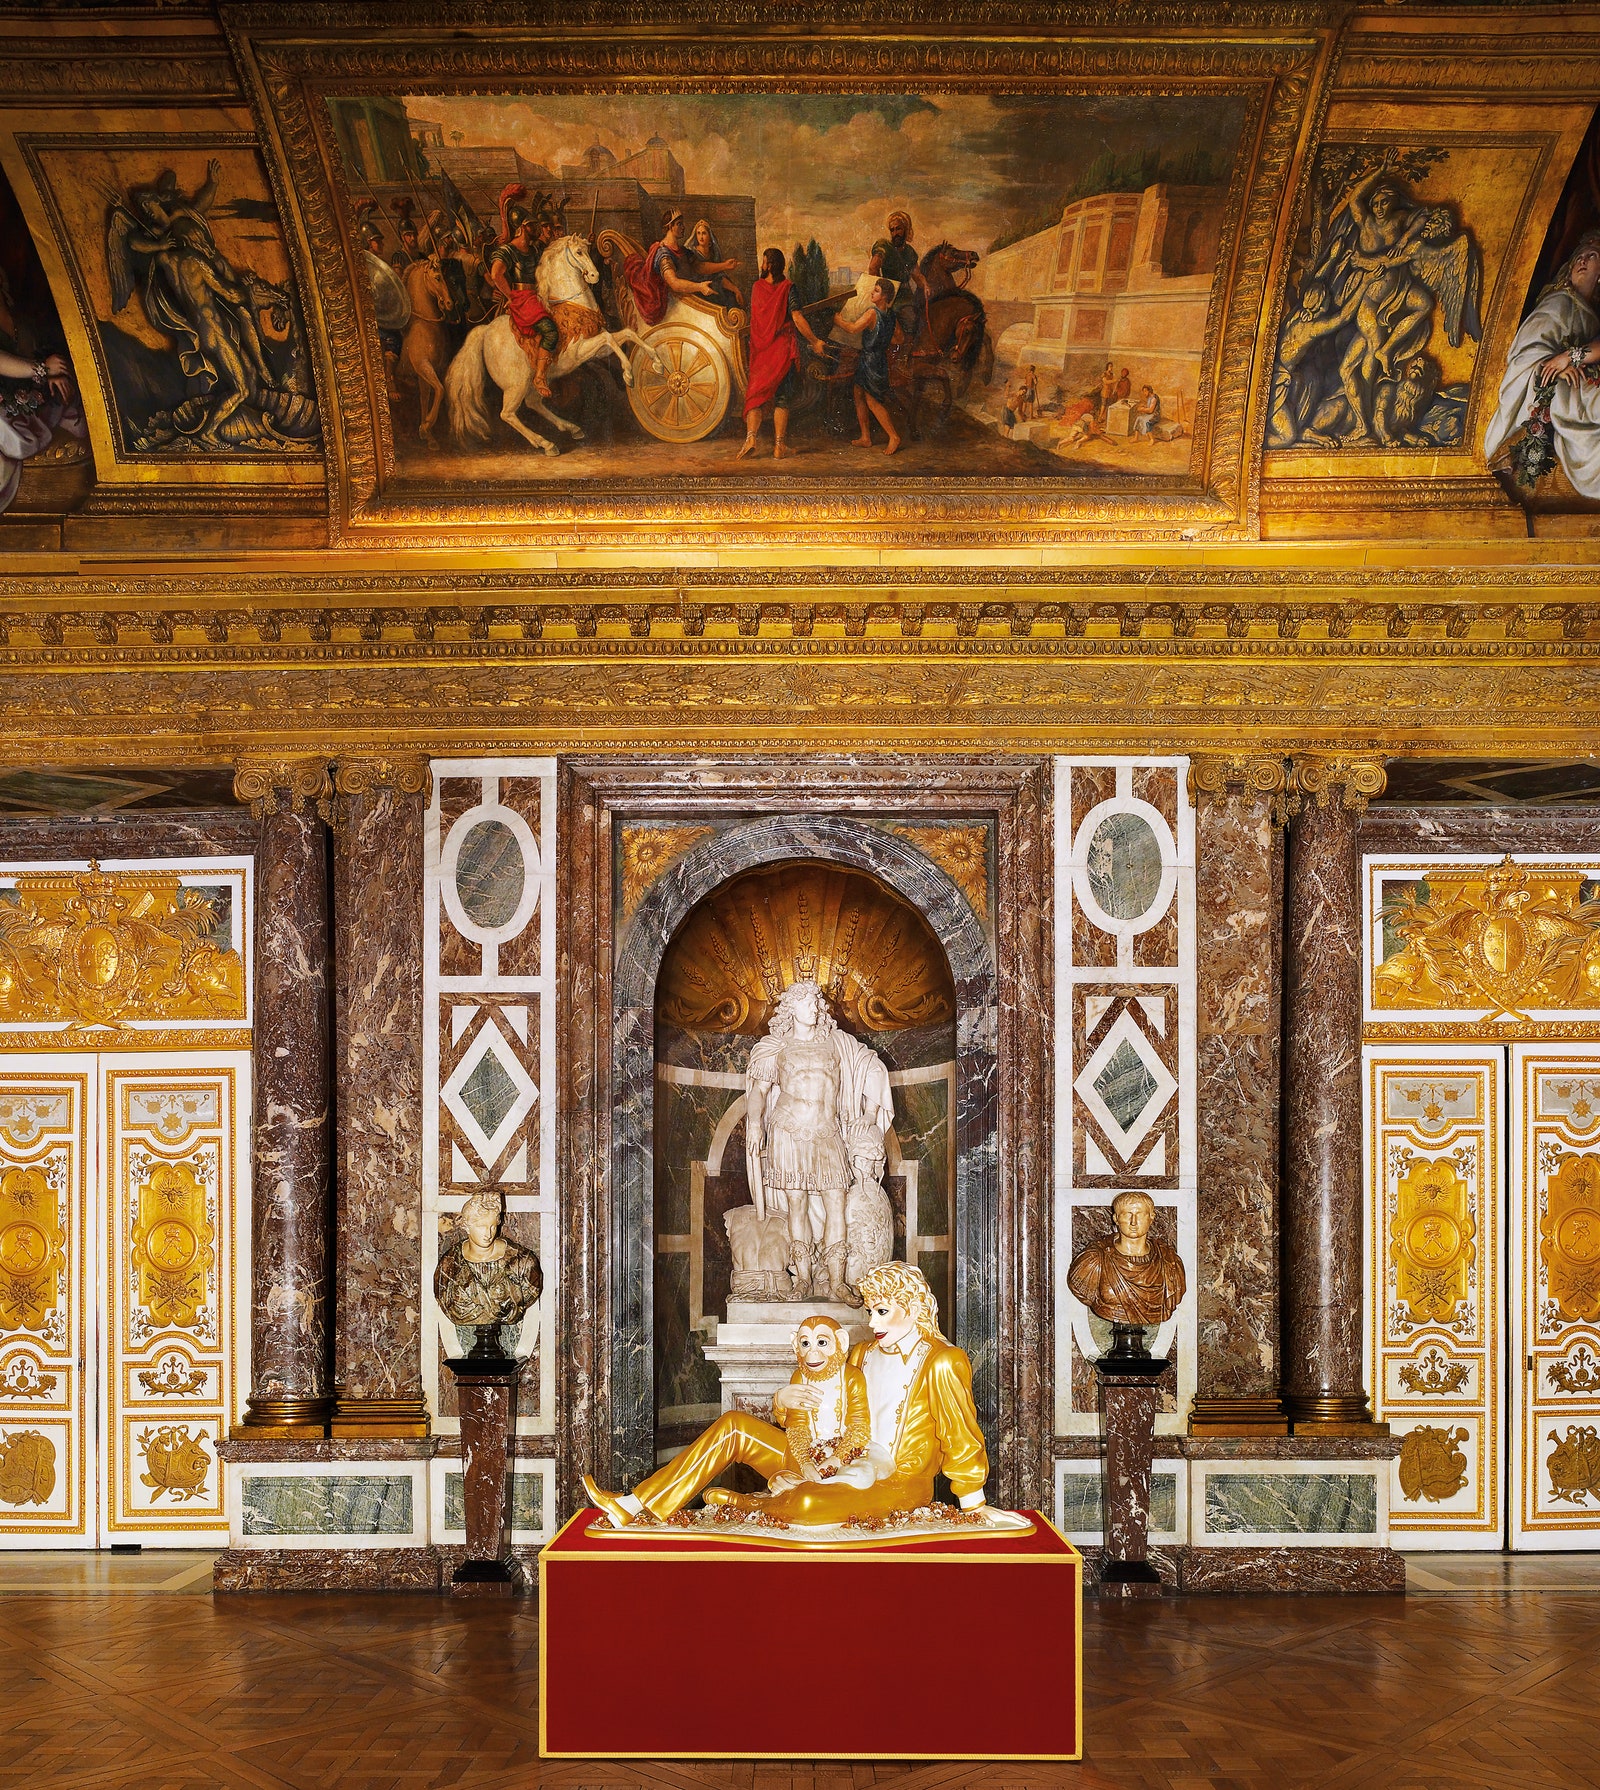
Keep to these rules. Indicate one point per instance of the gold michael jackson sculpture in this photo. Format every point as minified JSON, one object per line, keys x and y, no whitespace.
{"x":857,"y":1438}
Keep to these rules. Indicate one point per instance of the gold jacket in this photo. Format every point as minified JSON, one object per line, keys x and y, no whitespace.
{"x":938,"y":1430}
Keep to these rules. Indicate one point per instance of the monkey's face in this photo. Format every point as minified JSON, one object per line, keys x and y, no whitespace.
{"x":817,"y":1346}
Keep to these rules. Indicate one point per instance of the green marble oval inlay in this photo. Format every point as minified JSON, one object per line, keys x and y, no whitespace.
{"x":490,"y":874}
{"x":1124,"y":866}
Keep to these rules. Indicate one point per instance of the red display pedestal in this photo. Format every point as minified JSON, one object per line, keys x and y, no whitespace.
{"x":954,"y":1647}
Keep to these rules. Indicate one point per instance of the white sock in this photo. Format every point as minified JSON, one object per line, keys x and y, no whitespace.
{"x":630,"y":1504}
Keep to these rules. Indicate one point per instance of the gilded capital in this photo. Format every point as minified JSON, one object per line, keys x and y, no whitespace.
{"x":408,"y":773}
{"x":1244,"y":776}
{"x":1357,"y":780}
{"x":270,"y":784}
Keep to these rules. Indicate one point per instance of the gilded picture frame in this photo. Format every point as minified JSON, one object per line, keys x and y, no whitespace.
{"x":298,"y":59}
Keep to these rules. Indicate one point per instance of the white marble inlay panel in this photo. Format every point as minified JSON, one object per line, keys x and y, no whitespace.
{"x":1125,"y":1038}
{"x":489,"y":1033}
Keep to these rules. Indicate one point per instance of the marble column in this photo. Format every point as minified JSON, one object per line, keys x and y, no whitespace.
{"x":377,"y":914}
{"x":291,"y":1230}
{"x":1240,"y":810}
{"x":1322,"y":1216}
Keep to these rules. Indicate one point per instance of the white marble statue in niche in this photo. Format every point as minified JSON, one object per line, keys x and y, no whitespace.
{"x":817,"y":1105}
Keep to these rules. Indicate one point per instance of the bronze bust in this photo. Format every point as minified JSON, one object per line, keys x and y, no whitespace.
{"x":1133,"y":1280}
{"x":484,"y":1282}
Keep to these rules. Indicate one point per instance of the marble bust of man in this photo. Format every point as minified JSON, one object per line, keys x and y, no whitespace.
{"x":1132,"y":1279}
{"x":484,"y":1282}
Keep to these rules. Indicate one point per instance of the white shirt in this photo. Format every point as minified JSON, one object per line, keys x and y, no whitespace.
{"x":889,"y":1376}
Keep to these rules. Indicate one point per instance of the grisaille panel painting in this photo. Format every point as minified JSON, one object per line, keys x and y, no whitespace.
{"x":561,"y":284}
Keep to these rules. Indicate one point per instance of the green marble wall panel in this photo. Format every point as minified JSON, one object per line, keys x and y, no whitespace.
{"x":327,"y":1504}
{"x":1081,"y":1503}
{"x":1291,"y":1504}
{"x":527,"y":1501}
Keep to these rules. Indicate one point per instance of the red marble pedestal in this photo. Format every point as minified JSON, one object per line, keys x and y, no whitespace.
{"x":483,"y":1389}
{"x":1128,"y":1393}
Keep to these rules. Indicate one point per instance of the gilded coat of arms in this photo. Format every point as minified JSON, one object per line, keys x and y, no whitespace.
{"x":1569,"y":1238}
{"x":1493,"y":939}
{"x":100,"y":947}
{"x":1431,"y":1241}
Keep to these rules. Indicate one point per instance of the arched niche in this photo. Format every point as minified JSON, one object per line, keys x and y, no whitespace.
{"x":888,"y":984}
{"x":901,"y":868}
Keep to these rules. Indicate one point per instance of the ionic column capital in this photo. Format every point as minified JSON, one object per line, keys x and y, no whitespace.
{"x":1355,"y":779}
{"x":407,"y":773}
{"x":271,"y":785}
{"x":1244,"y":777}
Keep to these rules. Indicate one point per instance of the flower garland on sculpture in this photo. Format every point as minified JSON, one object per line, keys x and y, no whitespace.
{"x":1535,"y":454}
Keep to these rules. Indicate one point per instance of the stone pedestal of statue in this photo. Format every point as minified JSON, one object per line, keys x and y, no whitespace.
{"x":754,"y":1350}
{"x":483,"y":1391}
{"x":1128,"y":1392}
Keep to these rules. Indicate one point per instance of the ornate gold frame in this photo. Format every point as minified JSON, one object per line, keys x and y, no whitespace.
{"x":294,"y":56}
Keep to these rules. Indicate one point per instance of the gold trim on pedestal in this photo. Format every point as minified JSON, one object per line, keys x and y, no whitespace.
{"x":1238,"y":1415}
{"x":379,"y":1417}
{"x":1331,"y":1414}
{"x":291,"y":1419}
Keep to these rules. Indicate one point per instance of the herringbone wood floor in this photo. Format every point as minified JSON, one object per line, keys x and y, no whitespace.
{"x":102,"y":1687}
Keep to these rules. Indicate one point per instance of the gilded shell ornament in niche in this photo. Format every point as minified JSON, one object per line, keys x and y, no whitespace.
{"x":873,"y":955}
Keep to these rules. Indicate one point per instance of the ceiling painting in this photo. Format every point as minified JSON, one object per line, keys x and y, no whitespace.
{"x":41,"y":418}
{"x":1050,"y":266}
{"x":1287,"y":275}
{"x":177,"y":261}
{"x":541,"y":285}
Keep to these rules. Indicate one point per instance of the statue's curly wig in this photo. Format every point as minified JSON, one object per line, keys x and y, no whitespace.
{"x":781,"y":1025}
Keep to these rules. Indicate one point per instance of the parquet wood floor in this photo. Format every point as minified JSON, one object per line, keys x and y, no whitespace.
{"x":133,"y":1675}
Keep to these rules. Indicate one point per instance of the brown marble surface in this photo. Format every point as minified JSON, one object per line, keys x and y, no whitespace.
{"x":327,"y":1569}
{"x":1245,"y":1448}
{"x":1238,"y":960}
{"x":201,"y":833}
{"x":334,"y":1448}
{"x":1480,"y":829}
{"x":292,"y":1187}
{"x":1302,"y":1570}
{"x":378,"y":1064}
{"x":1322,"y":1207}
{"x":1129,"y":1404}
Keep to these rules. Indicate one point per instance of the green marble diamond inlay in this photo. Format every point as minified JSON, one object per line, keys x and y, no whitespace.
{"x":1125,"y":1085}
{"x":489,"y":1093}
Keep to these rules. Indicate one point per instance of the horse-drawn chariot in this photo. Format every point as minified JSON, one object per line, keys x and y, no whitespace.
{"x":695,"y":362}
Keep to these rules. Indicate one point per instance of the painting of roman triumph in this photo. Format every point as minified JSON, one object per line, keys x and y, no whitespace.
{"x":782,"y":285}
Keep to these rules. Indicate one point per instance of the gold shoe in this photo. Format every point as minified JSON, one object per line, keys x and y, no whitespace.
{"x":616,"y":1511}
{"x":718,"y":1494}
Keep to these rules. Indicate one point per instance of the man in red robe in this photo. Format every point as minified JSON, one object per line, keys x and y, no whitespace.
{"x":656,"y":275}
{"x":774,"y":353}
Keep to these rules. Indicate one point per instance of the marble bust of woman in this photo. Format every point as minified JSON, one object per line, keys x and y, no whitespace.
{"x":484,"y":1282}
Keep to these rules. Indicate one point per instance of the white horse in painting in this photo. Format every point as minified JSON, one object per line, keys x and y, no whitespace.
{"x":567,"y":276}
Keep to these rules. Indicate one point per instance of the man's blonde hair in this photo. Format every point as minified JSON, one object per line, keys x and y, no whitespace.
{"x":898,"y":1283}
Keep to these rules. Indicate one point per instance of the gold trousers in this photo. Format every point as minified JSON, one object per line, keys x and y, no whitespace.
{"x":737,"y":1437}
{"x":733,"y":1437}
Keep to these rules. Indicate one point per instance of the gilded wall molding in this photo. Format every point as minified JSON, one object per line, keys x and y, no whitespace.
{"x":1366,"y":698}
{"x":1248,"y":777}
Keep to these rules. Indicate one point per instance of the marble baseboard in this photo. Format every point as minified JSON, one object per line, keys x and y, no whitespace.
{"x":318,"y":1448}
{"x":328,"y":1569}
{"x":1265,"y":1572}
{"x":1280,"y":1571}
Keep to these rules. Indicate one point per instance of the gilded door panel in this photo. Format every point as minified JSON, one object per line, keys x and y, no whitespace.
{"x":173,"y":1174}
{"x":1555,"y":1350}
{"x":1435,"y":1185}
{"x":47,"y":1347}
